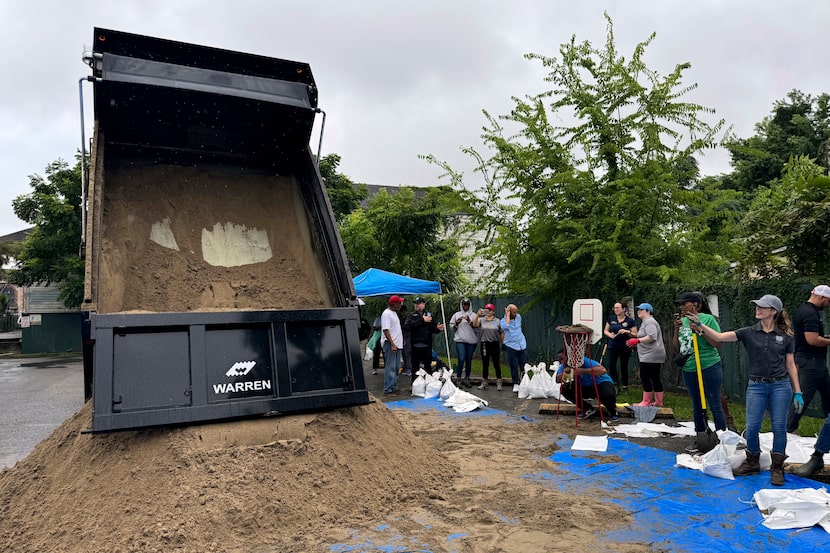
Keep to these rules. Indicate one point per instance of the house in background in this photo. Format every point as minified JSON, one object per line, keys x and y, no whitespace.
{"x":475,"y":268}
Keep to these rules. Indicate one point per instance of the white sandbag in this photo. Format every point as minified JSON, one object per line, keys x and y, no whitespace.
{"x":799,"y":508}
{"x":419,"y":385}
{"x":716,"y":463}
{"x":433,"y":389}
{"x":525,"y":383}
{"x":448,"y":389}
{"x":536,"y":388}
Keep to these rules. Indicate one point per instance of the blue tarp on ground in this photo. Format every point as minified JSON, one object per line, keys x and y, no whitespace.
{"x":376,"y":282}
{"x":680,"y":509}
{"x":673,"y":509}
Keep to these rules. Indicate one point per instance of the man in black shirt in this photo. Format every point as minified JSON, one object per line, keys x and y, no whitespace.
{"x":421,"y":325}
{"x":811,"y":353}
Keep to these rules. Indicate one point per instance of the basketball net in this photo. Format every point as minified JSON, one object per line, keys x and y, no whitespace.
{"x":575,"y":338}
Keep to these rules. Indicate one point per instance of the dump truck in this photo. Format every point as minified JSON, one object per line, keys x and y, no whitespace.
{"x":216,"y":284}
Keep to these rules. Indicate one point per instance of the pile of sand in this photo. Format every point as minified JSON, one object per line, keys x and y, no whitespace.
{"x":289,"y":481}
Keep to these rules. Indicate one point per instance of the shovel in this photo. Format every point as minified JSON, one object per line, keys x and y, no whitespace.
{"x":706,"y":440}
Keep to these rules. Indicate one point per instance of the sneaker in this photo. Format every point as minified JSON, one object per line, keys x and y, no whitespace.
{"x":515,"y":387}
{"x":407,"y":373}
{"x":374,"y":371}
{"x":588,"y":414}
{"x":615,"y":417}
{"x":692,"y":449}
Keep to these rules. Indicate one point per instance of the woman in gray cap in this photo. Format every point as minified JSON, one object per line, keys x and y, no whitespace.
{"x":772,"y":379}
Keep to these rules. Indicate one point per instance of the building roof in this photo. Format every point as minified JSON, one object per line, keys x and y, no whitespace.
{"x":18,"y":236}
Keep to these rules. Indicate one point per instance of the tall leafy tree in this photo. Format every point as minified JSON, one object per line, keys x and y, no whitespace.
{"x":598,"y":188}
{"x":784,"y":232}
{"x":345,"y":196}
{"x":407,"y":234}
{"x":799,"y":125}
{"x":51,"y":252}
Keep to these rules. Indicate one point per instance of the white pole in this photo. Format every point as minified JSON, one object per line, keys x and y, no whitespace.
{"x":446,"y":335}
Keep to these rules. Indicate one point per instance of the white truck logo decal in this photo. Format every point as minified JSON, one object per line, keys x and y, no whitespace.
{"x":240,"y":368}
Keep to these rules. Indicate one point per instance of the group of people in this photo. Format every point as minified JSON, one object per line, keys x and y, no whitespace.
{"x":415,"y":332}
{"x":787,"y":362}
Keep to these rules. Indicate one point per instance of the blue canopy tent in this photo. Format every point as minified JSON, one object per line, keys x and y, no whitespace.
{"x":376,"y":282}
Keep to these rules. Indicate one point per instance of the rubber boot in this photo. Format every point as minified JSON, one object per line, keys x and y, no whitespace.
{"x":658,"y":399}
{"x":776,"y":471}
{"x":648,"y":399}
{"x":752,"y":465}
{"x":498,"y":385}
{"x":483,"y":384}
{"x":815,"y":464}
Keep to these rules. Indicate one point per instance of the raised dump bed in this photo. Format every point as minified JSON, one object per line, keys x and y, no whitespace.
{"x":216,"y":283}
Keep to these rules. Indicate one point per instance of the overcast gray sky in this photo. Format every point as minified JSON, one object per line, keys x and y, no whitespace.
{"x":399,"y":79}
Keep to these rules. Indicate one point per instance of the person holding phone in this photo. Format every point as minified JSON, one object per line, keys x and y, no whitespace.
{"x":464,"y":323}
{"x":490,"y":345}
{"x":514,"y":342}
{"x":421,"y":326}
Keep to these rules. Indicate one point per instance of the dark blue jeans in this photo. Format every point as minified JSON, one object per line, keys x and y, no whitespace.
{"x":777,"y":396}
{"x":712,"y":383}
{"x":516,"y":359}
{"x":465,"y":358}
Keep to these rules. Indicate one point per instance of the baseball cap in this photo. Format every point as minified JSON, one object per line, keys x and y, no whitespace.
{"x":646,"y":306}
{"x":768,"y":300}
{"x":466,"y":300}
{"x":396,"y":299}
{"x":687,"y":296}
{"x":419,"y":299}
{"x":822,"y":290}
{"x":490,"y":306}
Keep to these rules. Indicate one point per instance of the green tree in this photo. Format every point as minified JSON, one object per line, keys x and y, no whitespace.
{"x":51,"y":252}
{"x":799,"y":125}
{"x":598,"y":188}
{"x":345,"y":196}
{"x":407,"y":234}
{"x":784,"y":232}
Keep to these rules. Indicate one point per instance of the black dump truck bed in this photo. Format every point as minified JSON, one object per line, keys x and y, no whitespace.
{"x":216,"y":284}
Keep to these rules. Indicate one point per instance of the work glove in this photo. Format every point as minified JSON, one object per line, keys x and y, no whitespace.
{"x":631,"y":342}
{"x":798,"y":402}
{"x":694,"y":320}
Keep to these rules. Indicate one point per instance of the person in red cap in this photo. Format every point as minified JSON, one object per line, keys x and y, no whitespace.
{"x":392,"y":342}
{"x":811,"y":353}
{"x":490,"y":344}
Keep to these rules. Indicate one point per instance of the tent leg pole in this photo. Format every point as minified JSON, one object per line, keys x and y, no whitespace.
{"x":446,"y":335}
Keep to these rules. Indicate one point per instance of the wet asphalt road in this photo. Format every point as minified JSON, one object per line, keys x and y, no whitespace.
{"x":36,"y":396}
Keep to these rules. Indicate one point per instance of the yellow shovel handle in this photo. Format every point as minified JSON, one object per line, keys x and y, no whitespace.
{"x":699,"y":371}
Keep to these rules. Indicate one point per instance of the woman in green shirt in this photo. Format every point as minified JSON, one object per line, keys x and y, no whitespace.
{"x":710,"y":364}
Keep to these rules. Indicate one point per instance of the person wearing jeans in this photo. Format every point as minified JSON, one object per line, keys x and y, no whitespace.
{"x":773,"y":380}
{"x":464,"y":323}
{"x":392,"y":343}
{"x":712,"y":383}
{"x":694,"y":304}
{"x":514,"y":342}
